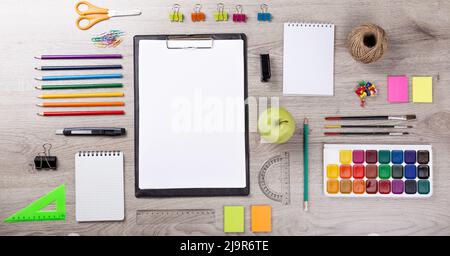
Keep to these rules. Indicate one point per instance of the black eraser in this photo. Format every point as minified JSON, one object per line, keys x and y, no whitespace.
{"x":265,"y":68}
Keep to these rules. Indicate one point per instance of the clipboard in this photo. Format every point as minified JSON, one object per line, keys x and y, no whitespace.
{"x":176,"y":160}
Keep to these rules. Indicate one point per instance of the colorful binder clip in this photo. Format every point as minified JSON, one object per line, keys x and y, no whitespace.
{"x":197,"y":15}
{"x":221,"y":15}
{"x":239,"y":16}
{"x":264,"y":15}
{"x":175,"y":15}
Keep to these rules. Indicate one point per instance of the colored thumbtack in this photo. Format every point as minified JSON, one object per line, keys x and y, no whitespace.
{"x":239,"y":16}
{"x":264,"y":15}
{"x":175,"y":15}
{"x":221,"y":15}
{"x":197,"y":15}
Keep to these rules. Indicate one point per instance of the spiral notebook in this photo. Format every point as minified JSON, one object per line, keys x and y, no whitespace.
{"x":308,"y":59}
{"x":99,"y":192}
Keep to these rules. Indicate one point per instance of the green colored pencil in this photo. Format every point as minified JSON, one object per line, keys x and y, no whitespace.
{"x":77,"y":86}
{"x":305,"y":164}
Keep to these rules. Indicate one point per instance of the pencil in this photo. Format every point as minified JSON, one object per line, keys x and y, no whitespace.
{"x":398,"y":118}
{"x":77,"y":86}
{"x":81,"y":95}
{"x":305,"y":164}
{"x":80,"y":67}
{"x":82,"y":113}
{"x":79,"y":77}
{"x":79,"y":56}
{"x":82,"y":104}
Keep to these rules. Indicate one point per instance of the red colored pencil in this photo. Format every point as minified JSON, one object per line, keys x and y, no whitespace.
{"x":82,"y":113}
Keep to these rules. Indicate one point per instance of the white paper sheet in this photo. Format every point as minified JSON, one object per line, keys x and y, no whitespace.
{"x":191,"y":116}
{"x":308,"y":59}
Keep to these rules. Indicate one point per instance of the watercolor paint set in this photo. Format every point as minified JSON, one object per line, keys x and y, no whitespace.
{"x":353,"y":170}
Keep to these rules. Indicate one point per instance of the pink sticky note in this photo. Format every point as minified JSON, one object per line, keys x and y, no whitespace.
{"x":398,"y":89}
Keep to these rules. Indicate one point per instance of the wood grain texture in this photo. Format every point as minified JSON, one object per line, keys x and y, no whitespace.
{"x":419,"y":37}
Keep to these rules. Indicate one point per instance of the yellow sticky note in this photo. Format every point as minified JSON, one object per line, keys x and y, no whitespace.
{"x":233,"y":219}
{"x":422,"y":89}
{"x":261,"y":218}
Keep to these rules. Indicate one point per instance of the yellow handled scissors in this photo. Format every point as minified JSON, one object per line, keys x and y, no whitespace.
{"x":94,"y":14}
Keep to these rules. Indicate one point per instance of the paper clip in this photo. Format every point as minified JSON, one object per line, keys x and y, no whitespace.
{"x":44,"y":160}
{"x":197,"y":15}
{"x":239,"y":16}
{"x":175,"y":15}
{"x":264,"y":15}
{"x":221,"y":15}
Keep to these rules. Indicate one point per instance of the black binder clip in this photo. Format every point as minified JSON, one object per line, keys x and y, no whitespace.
{"x":44,"y":160}
{"x":265,"y":68}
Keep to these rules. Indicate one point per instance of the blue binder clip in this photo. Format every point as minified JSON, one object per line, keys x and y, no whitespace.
{"x":264,"y":15}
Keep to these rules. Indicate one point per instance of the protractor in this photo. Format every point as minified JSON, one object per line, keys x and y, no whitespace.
{"x":278,"y":164}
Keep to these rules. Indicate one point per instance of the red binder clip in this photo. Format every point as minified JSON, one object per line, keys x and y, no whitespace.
{"x":197,"y":15}
{"x":239,"y":16}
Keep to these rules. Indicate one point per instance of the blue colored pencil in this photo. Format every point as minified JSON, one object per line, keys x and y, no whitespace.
{"x":79,"y":77}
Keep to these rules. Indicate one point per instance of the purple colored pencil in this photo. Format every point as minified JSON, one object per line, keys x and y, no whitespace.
{"x":81,"y":56}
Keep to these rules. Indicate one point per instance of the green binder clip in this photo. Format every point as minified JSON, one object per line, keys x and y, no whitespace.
{"x":221,"y":15}
{"x":175,"y":15}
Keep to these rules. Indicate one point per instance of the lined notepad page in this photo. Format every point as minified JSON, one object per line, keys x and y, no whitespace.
{"x":99,"y":194}
{"x":308,"y":60}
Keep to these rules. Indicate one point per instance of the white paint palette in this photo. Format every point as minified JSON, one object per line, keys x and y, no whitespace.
{"x":401,"y":171}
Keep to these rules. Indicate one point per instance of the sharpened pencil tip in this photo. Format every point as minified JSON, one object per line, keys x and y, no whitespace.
{"x":410,"y":117}
{"x":39,"y":79}
{"x":305,"y":206}
{"x":38,"y":58}
{"x":37,"y":68}
{"x":38,"y":87}
{"x":305,"y":121}
{"x":40,"y":114}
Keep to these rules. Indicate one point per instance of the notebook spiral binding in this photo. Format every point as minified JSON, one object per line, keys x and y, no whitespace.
{"x":313,"y":25}
{"x":99,"y":153}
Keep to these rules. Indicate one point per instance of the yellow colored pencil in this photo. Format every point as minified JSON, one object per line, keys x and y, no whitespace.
{"x":81,"y":95}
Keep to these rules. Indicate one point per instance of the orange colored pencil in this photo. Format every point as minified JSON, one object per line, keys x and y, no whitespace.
{"x":82,"y":104}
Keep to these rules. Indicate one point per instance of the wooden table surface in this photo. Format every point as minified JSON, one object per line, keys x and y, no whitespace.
{"x":419,"y":37}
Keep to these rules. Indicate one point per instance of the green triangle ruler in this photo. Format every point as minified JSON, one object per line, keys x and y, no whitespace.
{"x":34,"y":212}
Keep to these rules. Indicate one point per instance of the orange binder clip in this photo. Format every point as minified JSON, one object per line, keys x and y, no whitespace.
{"x":197,"y":15}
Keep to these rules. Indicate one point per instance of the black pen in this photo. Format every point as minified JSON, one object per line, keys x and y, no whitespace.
{"x":97,"y":131}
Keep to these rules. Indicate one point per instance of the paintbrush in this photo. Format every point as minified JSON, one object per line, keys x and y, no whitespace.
{"x":368,"y":126}
{"x":403,"y":117}
{"x":366,"y":133}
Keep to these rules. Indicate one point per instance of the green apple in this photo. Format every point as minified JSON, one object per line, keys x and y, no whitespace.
{"x":276,"y":125}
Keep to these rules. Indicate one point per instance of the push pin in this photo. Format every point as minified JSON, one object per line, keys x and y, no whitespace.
{"x":221,"y":15}
{"x":44,"y":160}
{"x":264,"y":15}
{"x":239,"y":16}
{"x":175,"y":15}
{"x":197,"y":15}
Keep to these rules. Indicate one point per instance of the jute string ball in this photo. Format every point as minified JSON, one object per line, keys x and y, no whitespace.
{"x":367,"y":43}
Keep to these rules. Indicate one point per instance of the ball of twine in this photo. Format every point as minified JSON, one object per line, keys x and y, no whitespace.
{"x":367,"y":43}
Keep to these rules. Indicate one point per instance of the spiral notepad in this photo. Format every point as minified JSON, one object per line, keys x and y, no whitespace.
{"x":99,"y":194}
{"x":308,"y":60}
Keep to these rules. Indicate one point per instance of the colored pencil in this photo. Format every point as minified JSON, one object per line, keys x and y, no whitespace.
{"x":79,"y":77}
{"x":366,"y":133}
{"x":305,"y":164}
{"x":82,"y":104}
{"x":80,"y":56}
{"x":81,"y":95}
{"x":368,"y":126}
{"x":77,"y":86}
{"x":82,"y":113}
{"x":402,"y":117}
{"x":80,"y":67}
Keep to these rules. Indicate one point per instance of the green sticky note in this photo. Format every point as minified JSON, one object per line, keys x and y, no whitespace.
{"x":233,"y":219}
